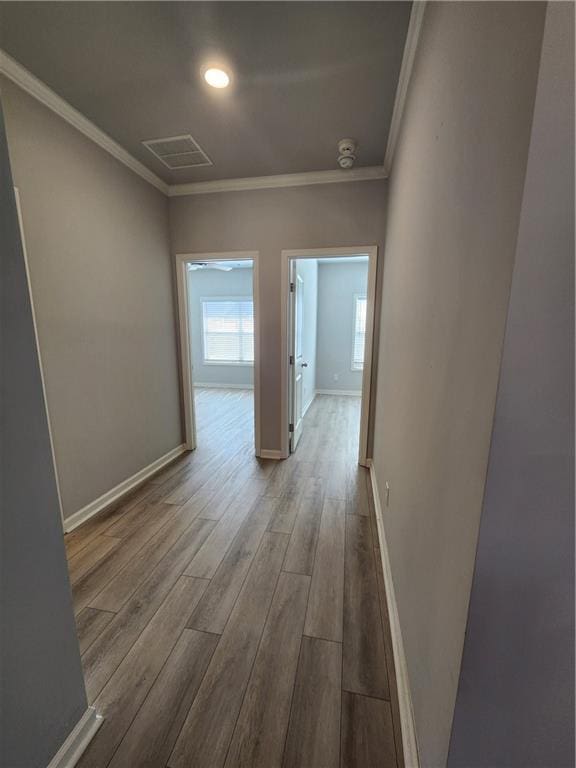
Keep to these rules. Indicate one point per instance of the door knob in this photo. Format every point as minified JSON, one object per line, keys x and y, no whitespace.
{"x":304,"y":365}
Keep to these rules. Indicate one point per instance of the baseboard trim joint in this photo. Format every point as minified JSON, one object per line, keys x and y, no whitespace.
{"x":266,"y":453}
{"x":78,"y":739}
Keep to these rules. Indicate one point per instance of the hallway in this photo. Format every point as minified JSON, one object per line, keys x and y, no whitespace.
{"x":232,"y":611}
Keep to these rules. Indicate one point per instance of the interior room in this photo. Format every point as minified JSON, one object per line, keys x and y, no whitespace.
{"x":329,"y":328}
{"x":287,"y":384}
{"x":220,"y":305}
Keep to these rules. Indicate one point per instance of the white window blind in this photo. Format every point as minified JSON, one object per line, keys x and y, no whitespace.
{"x":228,"y":331}
{"x":359,"y":335}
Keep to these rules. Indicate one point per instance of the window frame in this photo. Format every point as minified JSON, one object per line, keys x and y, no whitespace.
{"x":223,"y":299}
{"x":358,"y":368}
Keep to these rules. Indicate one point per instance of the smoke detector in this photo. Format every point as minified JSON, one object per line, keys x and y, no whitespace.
{"x":347,"y":152}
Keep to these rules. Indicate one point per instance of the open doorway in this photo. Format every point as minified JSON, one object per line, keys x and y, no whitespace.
{"x":328,"y":338}
{"x":219,"y":346}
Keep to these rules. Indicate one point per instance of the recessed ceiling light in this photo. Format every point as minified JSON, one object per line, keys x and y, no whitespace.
{"x":217,"y":78}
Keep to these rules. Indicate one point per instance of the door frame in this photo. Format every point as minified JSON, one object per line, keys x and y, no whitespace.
{"x":293,"y":355}
{"x":186,"y":370}
{"x":317,"y":253}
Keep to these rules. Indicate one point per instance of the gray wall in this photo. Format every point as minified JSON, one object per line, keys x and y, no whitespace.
{"x":515,"y":704}
{"x":42,"y":693}
{"x":203,"y":284}
{"x":453,"y":214}
{"x":308,"y":271}
{"x":101,"y":273}
{"x":337,"y":285}
{"x":269,"y":220}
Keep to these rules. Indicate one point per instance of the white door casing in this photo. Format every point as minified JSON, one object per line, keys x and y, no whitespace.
{"x":296,"y":357}
{"x":288,"y":258}
{"x":182,"y":259}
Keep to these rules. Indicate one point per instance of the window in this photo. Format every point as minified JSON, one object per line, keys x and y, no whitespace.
{"x":359,"y":333}
{"x":228,"y":331}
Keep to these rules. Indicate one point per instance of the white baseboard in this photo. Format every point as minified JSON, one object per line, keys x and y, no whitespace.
{"x":78,"y":739}
{"x":409,"y":743}
{"x":308,"y":404}
{"x":122,"y":488}
{"x":347,"y":392}
{"x":265,"y":453}
{"x":212,"y":385}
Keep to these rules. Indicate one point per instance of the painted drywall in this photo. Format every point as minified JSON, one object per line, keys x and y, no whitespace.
{"x":515,"y":704}
{"x":42,"y":694}
{"x":207,"y":284}
{"x":454,"y":207}
{"x":267,"y":221}
{"x":102,"y":285}
{"x":338,"y":284}
{"x":307,"y":270}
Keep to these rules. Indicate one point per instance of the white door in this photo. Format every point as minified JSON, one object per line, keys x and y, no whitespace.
{"x":296,"y":361}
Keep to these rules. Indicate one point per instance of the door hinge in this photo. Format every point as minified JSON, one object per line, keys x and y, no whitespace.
{"x":291,"y":360}
{"x":290,"y":427}
{"x":292,"y":287}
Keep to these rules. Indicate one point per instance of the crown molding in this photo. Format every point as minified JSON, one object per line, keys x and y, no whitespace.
{"x":307,"y":178}
{"x":45,"y":95}
{"x":412,"y":36}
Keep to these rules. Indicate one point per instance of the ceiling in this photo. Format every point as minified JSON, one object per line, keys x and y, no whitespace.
{"x":304,"y":75}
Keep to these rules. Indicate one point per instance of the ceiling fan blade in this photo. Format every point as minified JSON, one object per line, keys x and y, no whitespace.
{"x":206,"y":265}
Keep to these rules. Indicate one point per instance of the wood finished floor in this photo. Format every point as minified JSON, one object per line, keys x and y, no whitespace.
{"x":231,"y":612}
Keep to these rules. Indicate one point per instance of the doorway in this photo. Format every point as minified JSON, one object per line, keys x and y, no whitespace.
{"x":219,"y":345}
{"x":328,"y":324}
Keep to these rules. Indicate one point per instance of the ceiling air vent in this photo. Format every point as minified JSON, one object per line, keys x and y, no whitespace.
{"x":178,"y":152}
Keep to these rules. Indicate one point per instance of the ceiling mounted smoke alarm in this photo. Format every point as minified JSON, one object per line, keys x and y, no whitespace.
{"x":347,"y":152}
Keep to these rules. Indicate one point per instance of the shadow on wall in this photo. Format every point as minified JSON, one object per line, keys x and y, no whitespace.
{"x":42,"y":694}
{"x":521,"y":616}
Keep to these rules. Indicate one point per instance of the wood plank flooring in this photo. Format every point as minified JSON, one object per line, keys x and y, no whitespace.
{"x":231,"y":612}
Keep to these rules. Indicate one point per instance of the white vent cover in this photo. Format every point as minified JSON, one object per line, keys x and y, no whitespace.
{"x":177,"y":152}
